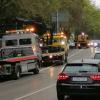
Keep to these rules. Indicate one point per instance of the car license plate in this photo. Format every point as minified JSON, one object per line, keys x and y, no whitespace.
{"x":79,"y":79}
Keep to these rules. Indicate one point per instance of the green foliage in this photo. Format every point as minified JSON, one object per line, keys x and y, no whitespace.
{"x":83,"y":15}
{"x":91,"y":20}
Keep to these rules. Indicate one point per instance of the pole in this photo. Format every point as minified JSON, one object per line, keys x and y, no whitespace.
{"x":57,"y":22}
{"x":16,"y":25}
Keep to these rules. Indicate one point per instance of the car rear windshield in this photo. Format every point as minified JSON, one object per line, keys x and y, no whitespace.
{"x":73,"y":68}
{"x":97,"y":56}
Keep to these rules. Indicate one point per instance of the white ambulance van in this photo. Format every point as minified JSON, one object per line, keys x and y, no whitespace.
{"x":20,"y":53}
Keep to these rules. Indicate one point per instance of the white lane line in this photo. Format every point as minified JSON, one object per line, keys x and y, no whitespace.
{"x":44,"y":69}
{"x":29,"y":94}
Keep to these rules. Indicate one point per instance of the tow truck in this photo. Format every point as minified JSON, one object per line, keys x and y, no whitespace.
{"x":57,"y":52}
{"x":82,"y":40}
{"x":20,"y":53}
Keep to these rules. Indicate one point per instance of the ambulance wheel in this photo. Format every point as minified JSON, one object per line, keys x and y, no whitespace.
{"x":36,"y":70}
{"x":16,"y":74}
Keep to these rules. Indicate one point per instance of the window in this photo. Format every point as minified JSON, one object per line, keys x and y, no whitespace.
{"x":11,"y":42}
{"x":25,"y":41}
{"x":74,"y":68}
{"x":15,"y":52}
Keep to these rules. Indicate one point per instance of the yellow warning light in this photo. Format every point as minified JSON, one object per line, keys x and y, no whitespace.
{"x":65,"y":37}
{"x":27,"y":29}
{"x":32,"y":29}
{"x":62,"y":33}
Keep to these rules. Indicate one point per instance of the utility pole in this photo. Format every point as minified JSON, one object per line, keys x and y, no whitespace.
{"x":57,"y":21}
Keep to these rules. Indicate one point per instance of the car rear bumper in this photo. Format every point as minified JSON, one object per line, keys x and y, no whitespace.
{"x":79,"y":89}
{"x":54,"y":61}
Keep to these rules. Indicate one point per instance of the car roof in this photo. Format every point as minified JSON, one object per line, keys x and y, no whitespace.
{"x":98,"y":41}
{"x":97,"y":51}
{"x":85,"y":61}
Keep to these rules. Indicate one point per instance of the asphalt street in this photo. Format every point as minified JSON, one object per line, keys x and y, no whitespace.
{"x":43,"y":85}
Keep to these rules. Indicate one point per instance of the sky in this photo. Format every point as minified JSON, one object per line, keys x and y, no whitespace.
{"x":96,"y":2}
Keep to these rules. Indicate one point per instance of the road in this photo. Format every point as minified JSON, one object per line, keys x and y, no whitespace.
{"x":41,"y":86}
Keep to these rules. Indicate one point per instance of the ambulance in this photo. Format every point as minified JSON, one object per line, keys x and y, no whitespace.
{"x":20,"y":53}
{"x":57,"y":52}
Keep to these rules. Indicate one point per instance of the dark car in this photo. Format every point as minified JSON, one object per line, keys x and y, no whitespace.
{"x":80,"y":77}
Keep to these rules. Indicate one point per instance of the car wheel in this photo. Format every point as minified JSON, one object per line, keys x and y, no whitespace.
{"x":60,"y":97}
{"x":36,"y":70}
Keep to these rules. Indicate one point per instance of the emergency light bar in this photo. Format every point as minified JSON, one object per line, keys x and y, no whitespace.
{"x":18,"y":32}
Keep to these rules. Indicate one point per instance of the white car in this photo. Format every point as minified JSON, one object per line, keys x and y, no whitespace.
{"x":71,"y":44}
{"x":97,"y":55}
{"x":94,"y":43}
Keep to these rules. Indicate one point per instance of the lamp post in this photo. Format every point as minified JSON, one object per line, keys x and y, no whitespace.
{"x":57,"y":21}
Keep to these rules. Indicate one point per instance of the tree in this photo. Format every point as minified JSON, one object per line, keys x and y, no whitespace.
{"x":9,"y":8}
{"x":91,"y":19}
{"x":83,"y":16}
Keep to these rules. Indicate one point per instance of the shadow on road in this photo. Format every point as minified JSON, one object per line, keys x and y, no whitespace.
{"x":8,"y":78}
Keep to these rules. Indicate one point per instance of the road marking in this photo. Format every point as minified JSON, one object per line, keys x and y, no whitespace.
{"x":29,"y":94}
{"x":44,"y":69}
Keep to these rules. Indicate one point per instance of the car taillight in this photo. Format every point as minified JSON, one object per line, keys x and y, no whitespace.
{"x":62,"y":76}
{"x":95,"y":77}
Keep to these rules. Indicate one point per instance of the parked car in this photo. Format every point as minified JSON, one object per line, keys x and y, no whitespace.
{"x":80,"y":77}
{"x":71,"y":44}
{"x":97,"y":55}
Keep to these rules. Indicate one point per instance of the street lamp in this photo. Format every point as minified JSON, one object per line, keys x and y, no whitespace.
{"x":57,"y":19}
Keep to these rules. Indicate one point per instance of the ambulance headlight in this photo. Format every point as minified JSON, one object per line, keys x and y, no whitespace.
{"x":41,"y":44}
{"x":51,"y":56}
{"x":62,"y":42}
